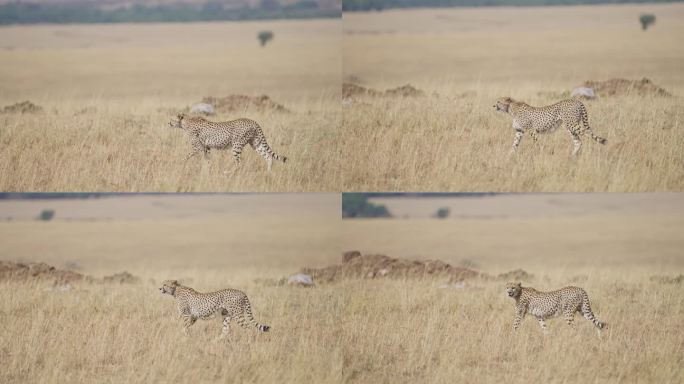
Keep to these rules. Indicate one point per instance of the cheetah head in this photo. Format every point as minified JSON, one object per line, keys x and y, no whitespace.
{"x":502,"y":104}
{"x":169,"y":287}
{"x":177,"y":123}
{"x":513,"y":290}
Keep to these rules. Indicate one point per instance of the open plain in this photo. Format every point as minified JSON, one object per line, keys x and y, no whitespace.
{"x":624,"y":250}
{"x":463,"y":59}
{"x":130,"y":332}
{"x":108,"y":92}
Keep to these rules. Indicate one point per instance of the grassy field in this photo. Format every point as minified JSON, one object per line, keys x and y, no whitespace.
{"x":464,"y":59}
{"x":109,"y":91}
{"x":130,"y":333}
{"x":411,"y":331}
{"x":356,"y":331}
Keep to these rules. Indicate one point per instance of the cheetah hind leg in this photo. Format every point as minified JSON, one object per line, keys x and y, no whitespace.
{"x":225,"y":330}
{"x":237,"y":151}
{"x":542,"y":324}
{"x":576,"y":141}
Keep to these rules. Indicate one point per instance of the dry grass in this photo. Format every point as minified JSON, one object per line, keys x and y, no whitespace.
{"x":109,"y":91}
{"x":411,"y":331}
{"x":122,"y":333}
{"x":353,"y":331}
{"x":470,"y":57}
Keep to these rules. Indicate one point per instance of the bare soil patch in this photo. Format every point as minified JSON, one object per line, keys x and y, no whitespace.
{"x":619,"y":87}
{"x":232,"y":103}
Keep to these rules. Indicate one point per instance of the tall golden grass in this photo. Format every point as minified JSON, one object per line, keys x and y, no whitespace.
{"x":109,"y":91}
{"x":464,"y":59}
{"x":416,"y":331}
{"x":131,"y":333}
{"x":357,"y":331}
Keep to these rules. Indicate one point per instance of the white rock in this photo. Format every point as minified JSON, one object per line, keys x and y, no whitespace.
{"x":204,"y":108}
{"x":300,"y":279}
{"x":584,"y":92}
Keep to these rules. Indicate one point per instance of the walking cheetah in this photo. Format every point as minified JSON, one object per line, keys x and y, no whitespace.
{"x":229,"y":303}
{"x":544,"y":305}
{"x":571,"y":112}
{"x":205,"y":135}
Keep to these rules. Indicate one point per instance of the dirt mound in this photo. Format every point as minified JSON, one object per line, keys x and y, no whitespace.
{"x":121,"y":278}
{"x":516,"y":275}
{"x":39,"y":271}
{"x":241,"y":102}
{"x":668,"y":279}
{"x":406,"y":90}
{"x":618,"y":87}
{"x":23,"y":107}
{"x":350,"y":90}
{"x":356,"y":265}
{"x":60,"y":277}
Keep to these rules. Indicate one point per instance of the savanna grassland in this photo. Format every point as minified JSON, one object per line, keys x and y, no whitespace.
{"x":109,"y":91}
{"x":353,"y":330}
{"x":130,"y":332}
{"x":463,"y":59}
{"x":629,"y":260}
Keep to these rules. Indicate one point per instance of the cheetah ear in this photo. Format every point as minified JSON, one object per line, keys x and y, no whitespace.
{"x":518,"y":284}
{"x":508,"y":100}
{"x":174,"y":283}
{"x":181,"y":116}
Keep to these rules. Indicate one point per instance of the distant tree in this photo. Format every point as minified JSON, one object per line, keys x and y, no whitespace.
{"x":265,"y":37}
{"x":357,"y":205}
{"x":646,"y":20}
{"x":442,"y":213}
{"x":46,"y":215}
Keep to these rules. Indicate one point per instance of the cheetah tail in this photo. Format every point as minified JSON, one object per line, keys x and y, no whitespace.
{"x":589,"y":314}
{"x":250,"y":318}
{"x":585,"y":123}
{"x":266,"y":150}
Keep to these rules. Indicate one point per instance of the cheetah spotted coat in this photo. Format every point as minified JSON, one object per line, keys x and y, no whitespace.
{"x":571,"y":113}
{"x":229,"y":303}
{"x":205,"y":135}
{"x":544,"y":305}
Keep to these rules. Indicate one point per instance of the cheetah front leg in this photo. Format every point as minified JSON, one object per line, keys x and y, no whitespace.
{"x":519,"y":131}
{"x":188,"y":321}
{"x":519,"y":315}
{"x":196,"y":148}
{"x":516,"y":140}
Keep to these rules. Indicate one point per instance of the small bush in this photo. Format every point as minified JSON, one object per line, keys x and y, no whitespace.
{"x":265,"y":37}
{"x":46,"y":214}
{"x":647,"y":20}
{"x":442,"y":213}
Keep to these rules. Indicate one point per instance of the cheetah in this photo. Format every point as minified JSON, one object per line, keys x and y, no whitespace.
{"x":205,"y":135}
{"x":229,"y":303}
{"x":544,"y":305}
{"x":571,"y":112}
